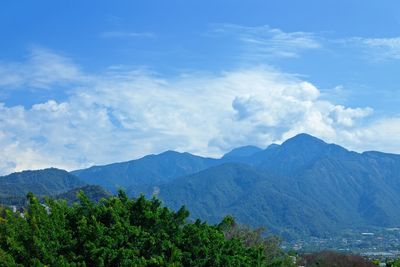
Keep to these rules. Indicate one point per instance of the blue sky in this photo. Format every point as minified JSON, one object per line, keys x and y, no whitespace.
{"x":94,"y":82}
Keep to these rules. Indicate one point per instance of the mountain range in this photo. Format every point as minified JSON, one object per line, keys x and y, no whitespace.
{"x":302,"y":187}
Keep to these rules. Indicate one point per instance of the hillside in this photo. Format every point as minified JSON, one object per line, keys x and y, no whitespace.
{"x":93,"y":192}
{"x":40,"y":182}
{"x":149,"y":170}
{"x":303,"y":186}
{"x":253,"y":197}
{"x":243,"y":151}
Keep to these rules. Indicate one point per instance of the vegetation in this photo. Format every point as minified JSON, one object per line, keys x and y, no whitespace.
{"x":15,"y":186}
{"x":119,"y":231}
{"x":301,"y":188}
{"x":151,"y":169}
{"x":334,"y":259}
{"x":94,"y":192}
{"x":394,"y":263}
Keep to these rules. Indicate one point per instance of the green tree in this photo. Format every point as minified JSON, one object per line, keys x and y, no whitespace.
{"x":119,"y":231}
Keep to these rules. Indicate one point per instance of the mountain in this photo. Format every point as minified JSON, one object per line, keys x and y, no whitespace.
{"x":93,"y":192}
{"x":253,"y":197}
{"x":355,"y":188}
{"x":303,"y":186}
{"x":244,"y":151}
{"x":294,"y":155}
{"x":149,"y":170}
{"x":40,"y":182}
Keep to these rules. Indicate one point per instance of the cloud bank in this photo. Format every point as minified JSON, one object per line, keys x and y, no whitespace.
{"x":123,"y":114}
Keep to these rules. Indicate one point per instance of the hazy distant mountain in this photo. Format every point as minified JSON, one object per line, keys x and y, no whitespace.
{"x":149,"y":170}
{"x":41,"y":182}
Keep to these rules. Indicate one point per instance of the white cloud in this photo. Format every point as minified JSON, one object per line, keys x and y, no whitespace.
{"x":43,"y":70}
{"x":264,"y":41}
{"x":121,"y":115}
{"x":379,"y":48}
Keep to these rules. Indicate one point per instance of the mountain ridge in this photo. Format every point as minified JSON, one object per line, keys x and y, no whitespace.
{"x":303,"y":186}
{"x":39,"y":182}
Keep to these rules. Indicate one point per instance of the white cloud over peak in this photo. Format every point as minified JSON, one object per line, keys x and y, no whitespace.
{"x":121,"y":114}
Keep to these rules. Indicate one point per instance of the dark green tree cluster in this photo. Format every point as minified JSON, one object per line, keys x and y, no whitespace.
{"x":119,"y":231}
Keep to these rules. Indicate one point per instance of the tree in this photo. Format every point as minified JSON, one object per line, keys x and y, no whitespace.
{"x":267,"y":247}
{"x":119,"y":231}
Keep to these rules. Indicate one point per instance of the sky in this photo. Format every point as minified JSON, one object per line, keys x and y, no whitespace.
{"x":87,"y":83}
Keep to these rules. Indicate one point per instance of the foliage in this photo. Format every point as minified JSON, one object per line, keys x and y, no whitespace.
{"x":334,"y":259}
{"x":119,"y":231}
{"x":394,"y":263}
{"x":94,"y":192}
{"x":255,"y":238}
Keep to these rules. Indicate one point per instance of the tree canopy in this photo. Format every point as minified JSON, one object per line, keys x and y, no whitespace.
{"x":119,"y":231}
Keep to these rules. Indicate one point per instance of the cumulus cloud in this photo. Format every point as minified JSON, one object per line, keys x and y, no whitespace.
{"x":124,"y":114}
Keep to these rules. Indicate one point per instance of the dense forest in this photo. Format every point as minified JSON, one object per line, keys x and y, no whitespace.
{"x":118,"y":231}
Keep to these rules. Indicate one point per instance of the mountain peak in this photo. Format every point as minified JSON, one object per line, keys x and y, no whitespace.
{"x":175,"y":154}
{"x":40,"y":182}
{"x":243,"y":151}
{"x":304,"y":139}
{"x":50,"y":170}
{"x":296,"y":153}
{"x":170,"y":152}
